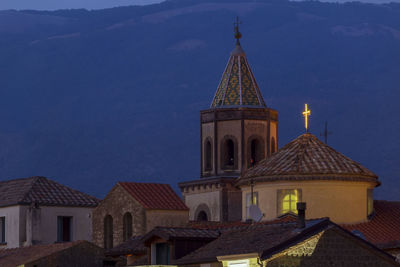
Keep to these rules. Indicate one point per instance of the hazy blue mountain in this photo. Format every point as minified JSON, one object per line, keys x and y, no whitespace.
{"x":89,"y":98}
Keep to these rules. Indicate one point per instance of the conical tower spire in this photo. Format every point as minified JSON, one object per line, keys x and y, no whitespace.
{"x":238,"y":87}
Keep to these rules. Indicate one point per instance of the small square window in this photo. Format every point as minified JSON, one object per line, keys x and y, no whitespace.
{"x":64,"y":229}
{"x":2,"y":230}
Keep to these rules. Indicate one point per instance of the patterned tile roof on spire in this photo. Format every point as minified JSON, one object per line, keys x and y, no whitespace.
{"x":307,"y":158}
{"x":238,"y":87}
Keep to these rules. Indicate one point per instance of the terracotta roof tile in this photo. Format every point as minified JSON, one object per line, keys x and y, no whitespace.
{"x":134,"y":246}
{"x":383,"y":229}
{"x":154,"y":196}
{"x":42,"y":191}
{"x":168,"y":233}
{"x":238,"y":224}
{"x":253,"y":238}
{"x":18,"y":256}
{"x":307,"y":158}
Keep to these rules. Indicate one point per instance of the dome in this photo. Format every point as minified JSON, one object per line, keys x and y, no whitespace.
{"x":307,"y":158}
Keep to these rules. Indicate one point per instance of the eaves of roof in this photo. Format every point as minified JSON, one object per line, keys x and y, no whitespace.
{"x":314,"y":177}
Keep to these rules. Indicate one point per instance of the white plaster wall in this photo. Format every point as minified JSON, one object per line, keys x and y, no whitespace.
{"x":12,"y":225}
{"x":81,"y":223}
{"x":342,"y":202}
{"x":211,"y":199}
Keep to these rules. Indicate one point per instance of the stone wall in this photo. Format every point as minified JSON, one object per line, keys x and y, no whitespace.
{"x":116,"y":204}
{"x":333,"y":248}
{"x":167,"y":218}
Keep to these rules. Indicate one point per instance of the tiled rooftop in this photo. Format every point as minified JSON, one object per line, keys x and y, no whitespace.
{"x":383,"y":230}
{"x":182,"y":232}
{"x":307,"y":158}
{"x":154,"y":196}
{"x":254,"y":238}
{"x":42,"y":191}
{"x":134,"y":246}
{"x":18,"y":256}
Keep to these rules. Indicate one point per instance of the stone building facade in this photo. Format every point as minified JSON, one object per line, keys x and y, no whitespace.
{"x":132,"y":209}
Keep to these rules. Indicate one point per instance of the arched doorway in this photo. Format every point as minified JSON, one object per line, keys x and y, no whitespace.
{"x":202,"y":213}
{"x":202,"y":216}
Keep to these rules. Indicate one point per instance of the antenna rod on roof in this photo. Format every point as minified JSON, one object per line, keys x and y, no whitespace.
{"x":238,"y":35}
{"x":326,"y":132}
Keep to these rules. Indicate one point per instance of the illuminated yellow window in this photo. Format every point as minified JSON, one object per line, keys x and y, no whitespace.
{"x":287,"y":201}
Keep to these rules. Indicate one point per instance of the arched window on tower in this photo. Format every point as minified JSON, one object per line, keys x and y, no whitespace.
{"x":229,"y":153}
{"x":256,"y":151}
{"x":108,"y":232}
{"x":273,"y":145}
{"x":208,"y":155}
{"x":127,"y":226}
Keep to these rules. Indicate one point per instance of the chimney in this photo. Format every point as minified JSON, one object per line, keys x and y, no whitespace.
{"x":301,"y":211}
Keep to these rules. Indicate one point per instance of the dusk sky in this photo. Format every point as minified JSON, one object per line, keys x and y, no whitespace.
{"x":98,"y":4}
{"x":69,"y":4}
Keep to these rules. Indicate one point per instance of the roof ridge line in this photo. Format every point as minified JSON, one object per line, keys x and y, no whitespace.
{"x":34,"y":181}
{"x":300,"y":158}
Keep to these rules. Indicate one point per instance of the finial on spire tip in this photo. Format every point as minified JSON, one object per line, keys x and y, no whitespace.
{"x":238,"y":35}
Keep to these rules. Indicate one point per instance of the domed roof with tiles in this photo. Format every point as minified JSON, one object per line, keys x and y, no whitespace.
{"x":307,"y":158}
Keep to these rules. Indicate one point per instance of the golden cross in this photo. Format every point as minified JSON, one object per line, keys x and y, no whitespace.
{"x":306,"y":113}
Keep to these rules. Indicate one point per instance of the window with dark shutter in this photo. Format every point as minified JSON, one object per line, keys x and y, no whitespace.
{"x":127,"y":227}
{"x":2,"y":230}
{"x":162,"y":254}
{"x":64,"y":229}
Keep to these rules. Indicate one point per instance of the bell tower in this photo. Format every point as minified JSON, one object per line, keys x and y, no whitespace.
{"x":238,"y":130}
